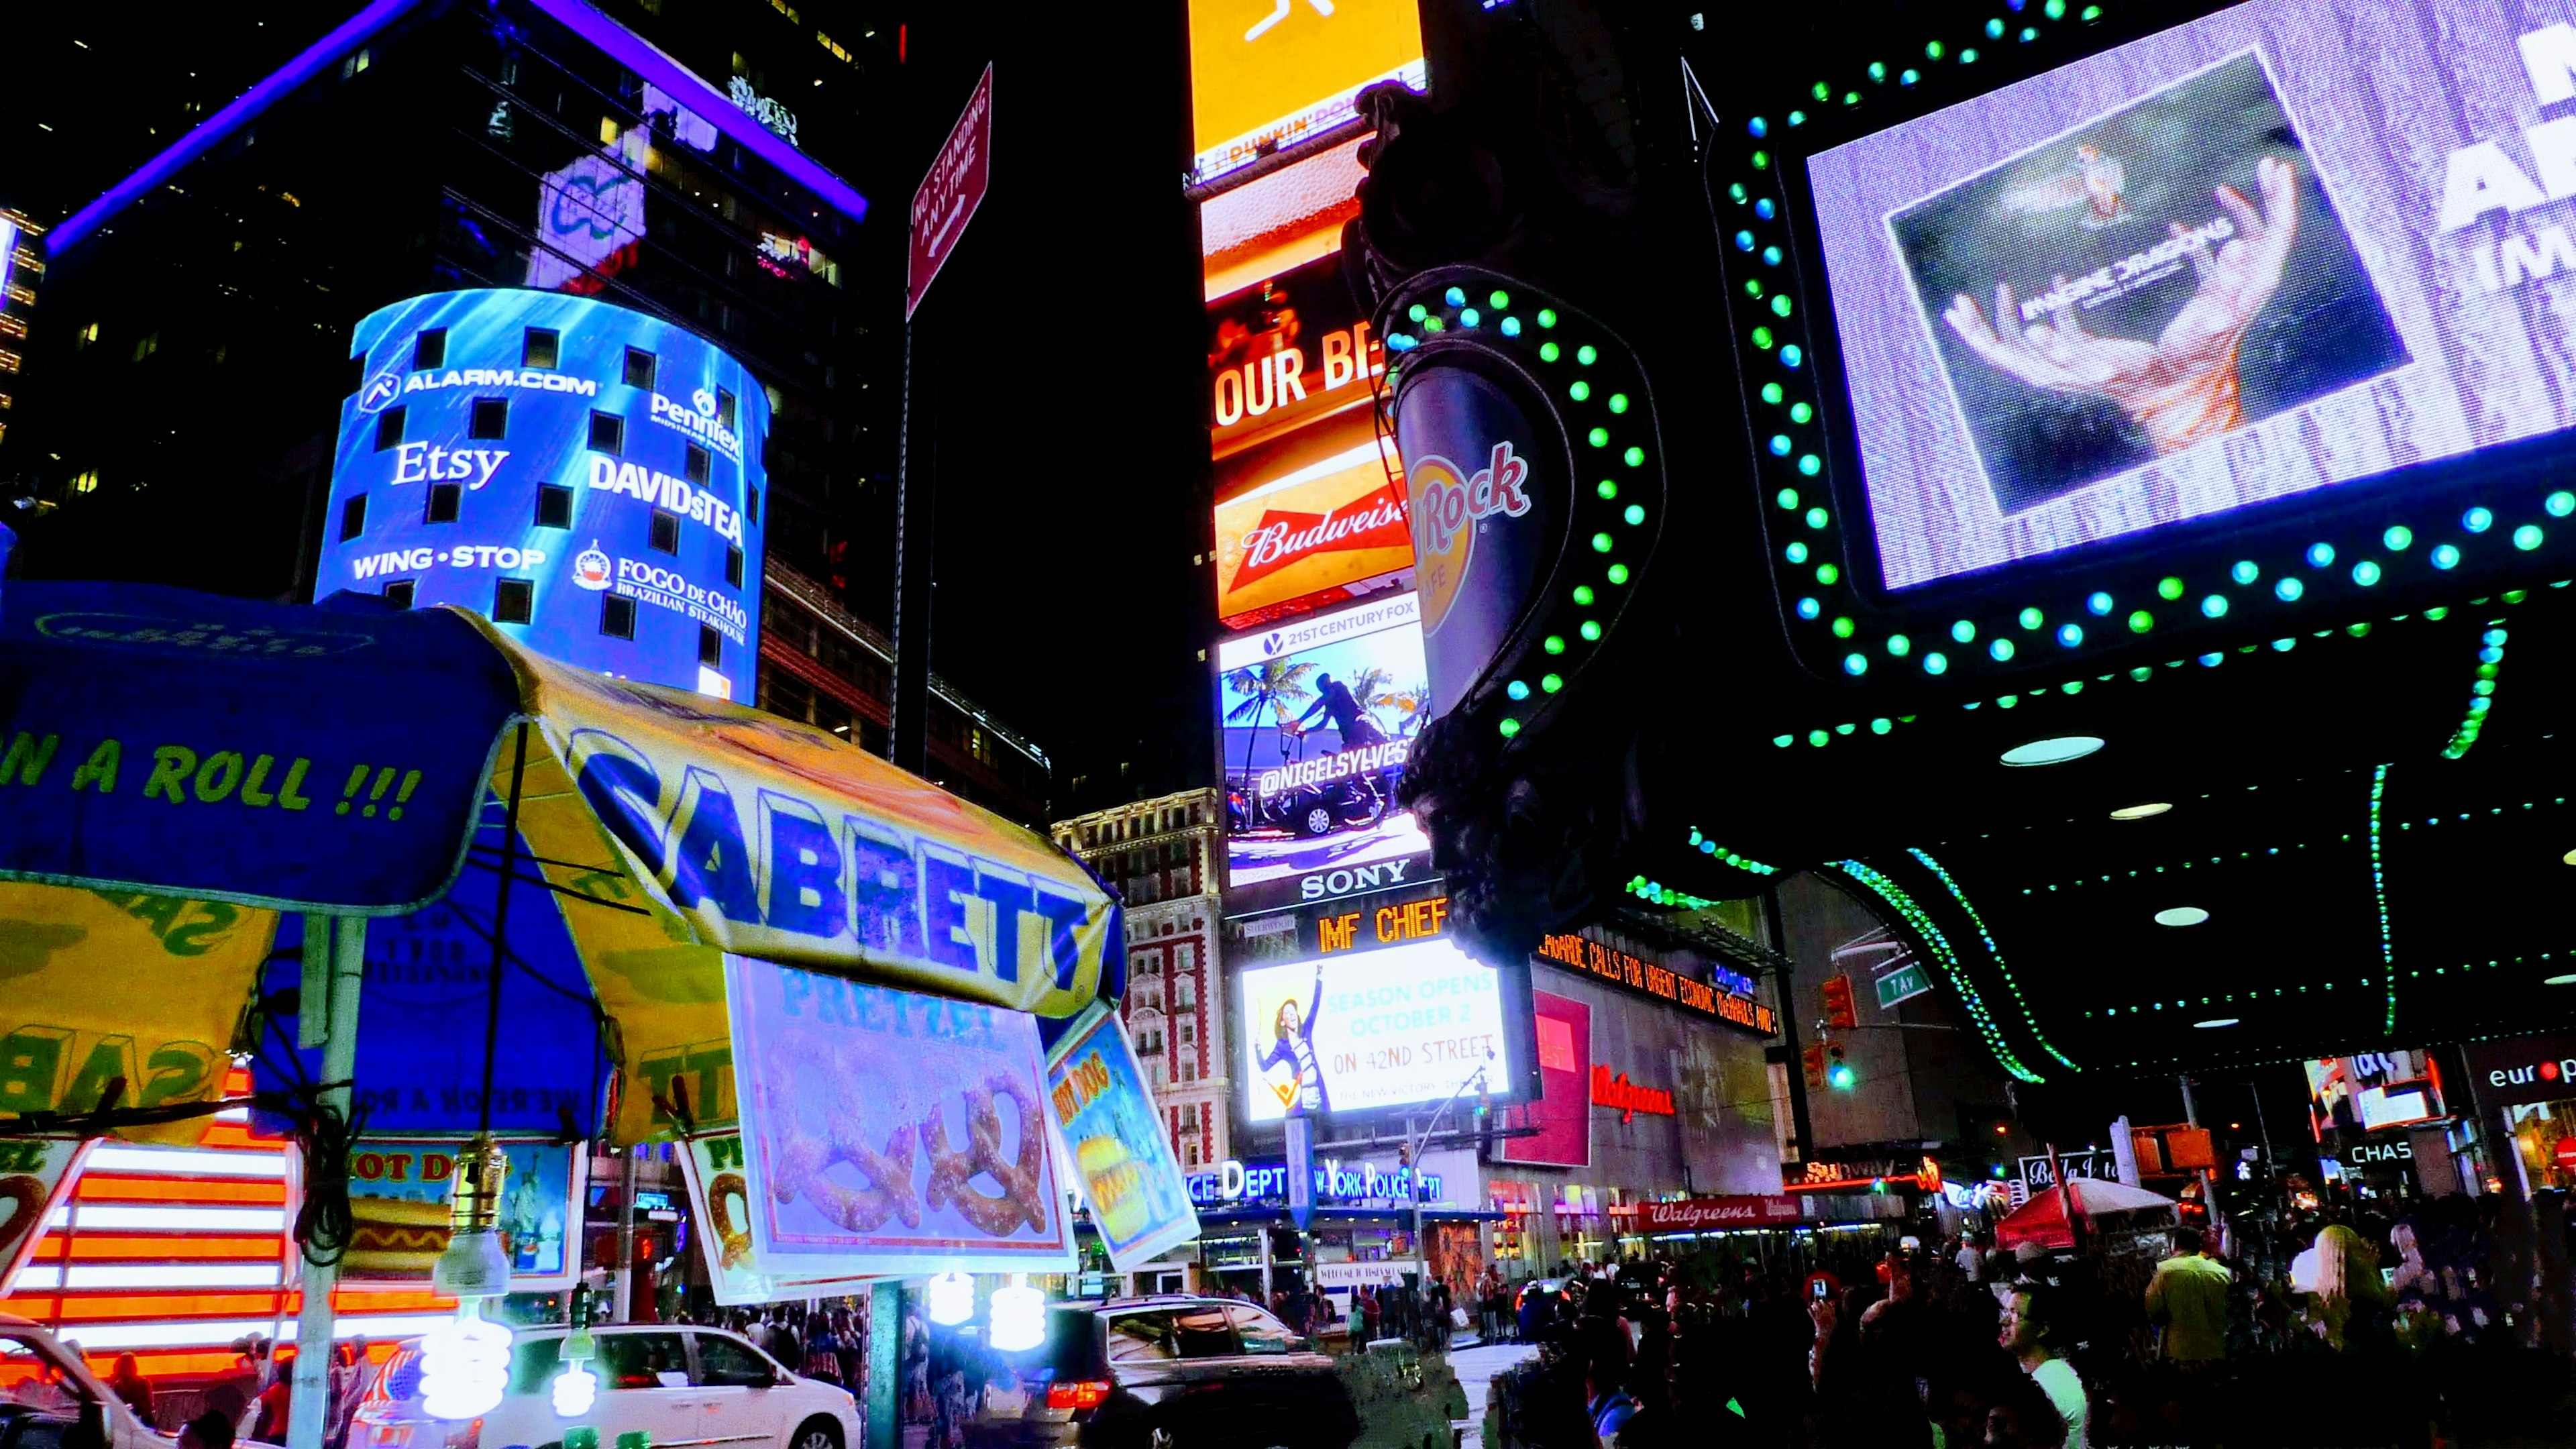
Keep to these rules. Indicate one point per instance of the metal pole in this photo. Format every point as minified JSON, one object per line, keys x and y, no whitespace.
{"x":884,"y":1426}
{"x":916,"y":510}
{"x":1800,"y":1133}
{"x":626,"y":1241}
{"x":346,"y":948}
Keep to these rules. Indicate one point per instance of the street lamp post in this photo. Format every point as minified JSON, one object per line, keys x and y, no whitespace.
{"x":1413,"y":1167}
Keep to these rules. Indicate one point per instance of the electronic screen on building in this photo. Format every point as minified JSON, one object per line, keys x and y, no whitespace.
{"x":587,"y":477}
{"x":2375,"y":1090}
{"x":1316,"y":717}
{"x":2294,"y":245}
{"x":1401,"y":1026}
{"x":1268,"y":75}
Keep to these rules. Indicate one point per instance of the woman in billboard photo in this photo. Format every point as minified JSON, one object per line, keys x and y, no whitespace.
{"x":1294,"y":1049}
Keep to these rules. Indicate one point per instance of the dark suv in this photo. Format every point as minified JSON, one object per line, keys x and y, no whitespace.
{"x":1168,"y":1372}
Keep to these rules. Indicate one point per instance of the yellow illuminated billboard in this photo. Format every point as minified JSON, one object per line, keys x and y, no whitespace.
{"x":1269,"y":74}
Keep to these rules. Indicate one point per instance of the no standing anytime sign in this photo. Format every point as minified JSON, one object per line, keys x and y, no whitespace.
{"x":950,"y":192}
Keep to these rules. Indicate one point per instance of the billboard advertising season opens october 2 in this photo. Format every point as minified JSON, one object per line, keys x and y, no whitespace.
{"x":586,"y":477}
{"x":1400,"y":1026}
{"x":2224,"y":264}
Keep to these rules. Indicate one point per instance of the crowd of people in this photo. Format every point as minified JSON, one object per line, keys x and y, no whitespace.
{"x":2327,"y":1328}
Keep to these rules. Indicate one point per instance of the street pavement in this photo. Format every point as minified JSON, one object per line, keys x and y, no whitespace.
{"x":1476,"y":1367}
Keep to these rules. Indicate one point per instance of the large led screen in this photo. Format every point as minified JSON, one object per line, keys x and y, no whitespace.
{"x":2374,"y":1090}
{"x":1405,"y":1026}
{"x":2290,"y":245}
{"x":1266,"y":75}
{"x":1317,"y":717}
{"x":587,"y":477}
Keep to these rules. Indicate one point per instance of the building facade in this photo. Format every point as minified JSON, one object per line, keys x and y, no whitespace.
{"x":1161,"y":856}
{"x":176,"y":408}
{"x":824,"y":665}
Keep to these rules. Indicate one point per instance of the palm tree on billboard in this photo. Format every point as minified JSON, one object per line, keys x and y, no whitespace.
{"x":1273,"y":684}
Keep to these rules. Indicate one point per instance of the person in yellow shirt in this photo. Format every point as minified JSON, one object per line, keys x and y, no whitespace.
{"x":2188,"y":1298}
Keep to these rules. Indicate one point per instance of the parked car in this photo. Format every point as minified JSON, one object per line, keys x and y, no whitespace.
{"x":1152,"y":1373}
{"x":681,"y":1385}
{"x":45,"y":1387}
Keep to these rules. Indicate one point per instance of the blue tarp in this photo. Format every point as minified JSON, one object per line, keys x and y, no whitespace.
{"x":187,"y":744}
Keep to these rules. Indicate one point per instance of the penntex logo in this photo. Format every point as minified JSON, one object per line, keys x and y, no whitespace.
{"x":704,"y":400}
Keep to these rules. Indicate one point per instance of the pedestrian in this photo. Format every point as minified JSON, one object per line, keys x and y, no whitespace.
{"x":131,"y":1386}
{"x":2188,"y":1299}
{"x":209,"y":1430}
{"x":2029,"y":1326}
{"x":1972,"y":1258}
{"x":275,"y":1406}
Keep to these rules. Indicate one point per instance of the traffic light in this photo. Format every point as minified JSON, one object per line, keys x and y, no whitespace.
{"x":1841,"y":1014}
{"x":1838,"y":1073}
{"x":1815,"y":1064}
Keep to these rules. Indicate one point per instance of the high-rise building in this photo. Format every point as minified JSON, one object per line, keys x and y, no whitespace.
{"x":707,"y":166}
{"x":1161,"y":856}
{"x":827,"y":666}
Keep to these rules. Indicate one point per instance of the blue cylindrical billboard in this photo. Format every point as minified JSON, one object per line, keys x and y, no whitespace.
{"x":585,"y":476}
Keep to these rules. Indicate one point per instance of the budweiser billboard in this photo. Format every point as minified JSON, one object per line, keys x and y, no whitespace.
{"x":1309,"y":518}
{"x":1311,"y":503}
{"x":1701,"y":1214}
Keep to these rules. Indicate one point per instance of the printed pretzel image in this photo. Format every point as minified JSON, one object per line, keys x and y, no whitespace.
{"x":1023,"y":1183}
{"x":735,"y":1237}
{"x":803,"y":1161}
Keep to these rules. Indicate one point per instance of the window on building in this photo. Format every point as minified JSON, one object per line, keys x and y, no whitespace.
{"x":85,"y":337}
{"x":616,"y":616}
{"x":514,"y":601}
{"x":607,"y":433}
{"x":710,"y":646}
{"x":444,"y":500}
{"x":538,"y":347}
{"x":639,"y":367}
{"x":398,"y":593}
{"x":429,"y":349}
{"x":725,"y":408}
{"x":733,"y":567}
{"x":490,"y":418}
{"x":389,"y":430}
{"x":554,"y":506}
{"x":751,"y":506}
{"x":353,"y":518}
{"x":665,"y":535}
{"x":85,"y":481}
{"x":697,"y":465}
{"x":149,"y":343}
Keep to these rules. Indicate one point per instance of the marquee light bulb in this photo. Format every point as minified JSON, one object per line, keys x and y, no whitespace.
{"x":464,"y":1365}
{"x":951,"y":1299}
{"x":1019,"y":1316}
{"x":576,"y":1389}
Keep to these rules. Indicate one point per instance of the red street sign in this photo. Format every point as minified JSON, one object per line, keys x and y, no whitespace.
{"x":950,"y":192}
{"x":1700,"y":1213}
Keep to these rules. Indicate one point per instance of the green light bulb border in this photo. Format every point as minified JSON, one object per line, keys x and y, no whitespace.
{"x":1929,"y":933}
{"x":1807,"y":568}
{"x":2482,"y":690}
{"x":1706,"y":846}
{"x":1995,"y":954}
{"x":1821,"y":736}
{"x":1593,"y":382}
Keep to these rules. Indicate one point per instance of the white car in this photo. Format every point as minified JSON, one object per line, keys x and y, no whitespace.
{"x":46,"y":1386}
{"x":681,"y":1386}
